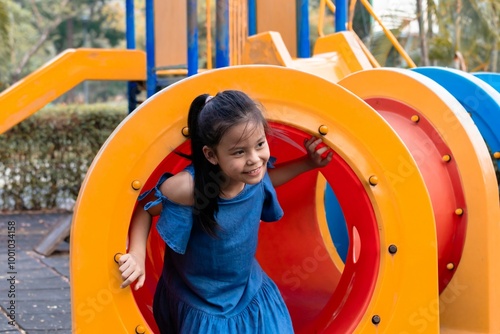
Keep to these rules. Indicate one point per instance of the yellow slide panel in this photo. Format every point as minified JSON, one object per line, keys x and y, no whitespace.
{"x":63,"y":73}
{"x":361,"y":139}
{"x":335,"y":56}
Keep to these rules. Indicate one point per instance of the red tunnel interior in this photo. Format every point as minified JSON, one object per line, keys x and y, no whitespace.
{"x":320,"y":297}
{"x":442,"y":180}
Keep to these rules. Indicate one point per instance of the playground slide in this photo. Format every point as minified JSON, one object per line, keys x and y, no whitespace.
{"x":374,"y":292}
{"x":63,"y":73}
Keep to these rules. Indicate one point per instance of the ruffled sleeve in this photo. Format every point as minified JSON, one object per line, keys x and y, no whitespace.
{"x":271,"y":210}
{"x":175,"y":221}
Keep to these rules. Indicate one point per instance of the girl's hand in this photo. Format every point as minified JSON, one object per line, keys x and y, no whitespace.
{"x":317,"y":152}
{"x":132,"y":268}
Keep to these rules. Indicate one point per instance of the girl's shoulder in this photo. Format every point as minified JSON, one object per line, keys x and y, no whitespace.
{"x":179,"y":188}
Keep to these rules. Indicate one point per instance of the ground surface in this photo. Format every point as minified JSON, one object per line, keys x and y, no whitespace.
{"x":34,"y":289}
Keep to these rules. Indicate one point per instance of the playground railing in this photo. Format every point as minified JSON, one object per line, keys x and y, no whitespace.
{"x":387,"y":32}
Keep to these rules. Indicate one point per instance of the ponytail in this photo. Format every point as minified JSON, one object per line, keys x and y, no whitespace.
{"x":206,"y":188}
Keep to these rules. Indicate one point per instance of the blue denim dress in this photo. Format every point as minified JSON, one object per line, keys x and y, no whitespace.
{"x":215,"y":285}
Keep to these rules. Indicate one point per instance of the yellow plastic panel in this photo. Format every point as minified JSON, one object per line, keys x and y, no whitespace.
{"x":170,"y":33}
{"x":348,"y":48}
{"x":266,"y":48}
{"x":336,"y":56}
{"x":280,"y":16}
{"x":63,"y":73}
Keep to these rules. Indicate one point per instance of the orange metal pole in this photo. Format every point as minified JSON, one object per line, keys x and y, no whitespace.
{"x":330,"y":5}
{"x":321,"y":18}
{"x":389,"y":35}
{"x":352,"y":6}
{"x":208,"y":25}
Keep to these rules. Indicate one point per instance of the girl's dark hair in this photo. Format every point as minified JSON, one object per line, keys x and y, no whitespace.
{"x":208,"y":121}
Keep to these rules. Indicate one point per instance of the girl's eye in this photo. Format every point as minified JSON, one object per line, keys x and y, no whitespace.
{"x":261,"y":144}
{"x":238,"y":152}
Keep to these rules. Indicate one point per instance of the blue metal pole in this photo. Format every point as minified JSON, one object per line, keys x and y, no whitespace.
{"x":130,"y":24}
{"x":222,"y":34}
{"x":130,"y":35}
{"x":303,"y":43}
{"x":341,"y":8}
{"x":192,"y":37}
{"x":150,"y":48}
{"x":252,"y":17}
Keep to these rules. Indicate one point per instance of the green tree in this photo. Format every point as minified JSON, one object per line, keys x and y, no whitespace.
{"x":362,"y":21}
{"x":99,"y":24}
{"x":44,"y":17}
{"x":4,"y":39}
{"x":4,"y":26}
{"x":484,"y":48}
{"x":44,"y":28}
{"x":424,"y":46}
{"x":470,"y":27}
{"x":383,"y":50}
{"x":20,"y":37}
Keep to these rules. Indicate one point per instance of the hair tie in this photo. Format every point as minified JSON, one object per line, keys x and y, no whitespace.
{"x":208,"y":99}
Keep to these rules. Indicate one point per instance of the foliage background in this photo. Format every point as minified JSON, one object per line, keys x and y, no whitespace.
{"x":44,"y":159}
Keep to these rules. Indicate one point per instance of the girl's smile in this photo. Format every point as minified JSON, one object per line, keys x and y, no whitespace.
{"x":255,"y":172}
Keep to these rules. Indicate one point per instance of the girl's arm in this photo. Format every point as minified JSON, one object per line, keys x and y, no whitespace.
{"x":132,"y":264}
{"x":180,"y":189}
{"x":289,"y":170}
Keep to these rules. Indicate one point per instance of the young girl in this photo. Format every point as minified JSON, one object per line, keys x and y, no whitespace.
{"x":209,"y":218}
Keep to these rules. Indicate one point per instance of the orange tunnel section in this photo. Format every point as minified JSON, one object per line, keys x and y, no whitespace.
{"x":455,"y":163}
{"x":311,"y":283}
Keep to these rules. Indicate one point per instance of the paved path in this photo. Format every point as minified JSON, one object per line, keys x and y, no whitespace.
{"x":34,"y":290}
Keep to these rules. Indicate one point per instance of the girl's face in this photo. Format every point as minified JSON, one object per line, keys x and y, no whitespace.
{"x":242,"y":155}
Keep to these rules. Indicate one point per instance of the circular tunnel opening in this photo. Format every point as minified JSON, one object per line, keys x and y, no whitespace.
{"x":298,"y":251}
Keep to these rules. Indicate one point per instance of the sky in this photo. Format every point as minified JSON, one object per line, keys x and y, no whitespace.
{"x":382,"y":7}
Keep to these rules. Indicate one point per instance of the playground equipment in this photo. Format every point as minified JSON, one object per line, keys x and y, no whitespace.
{"x":395,"y":250}
{"x":412,"y":178}
{"x":480,"y":99}
{"x":442,"y":148}
{"x":314,"y":292}
{"x":442,"y":133}
{"x":63,"y":73}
